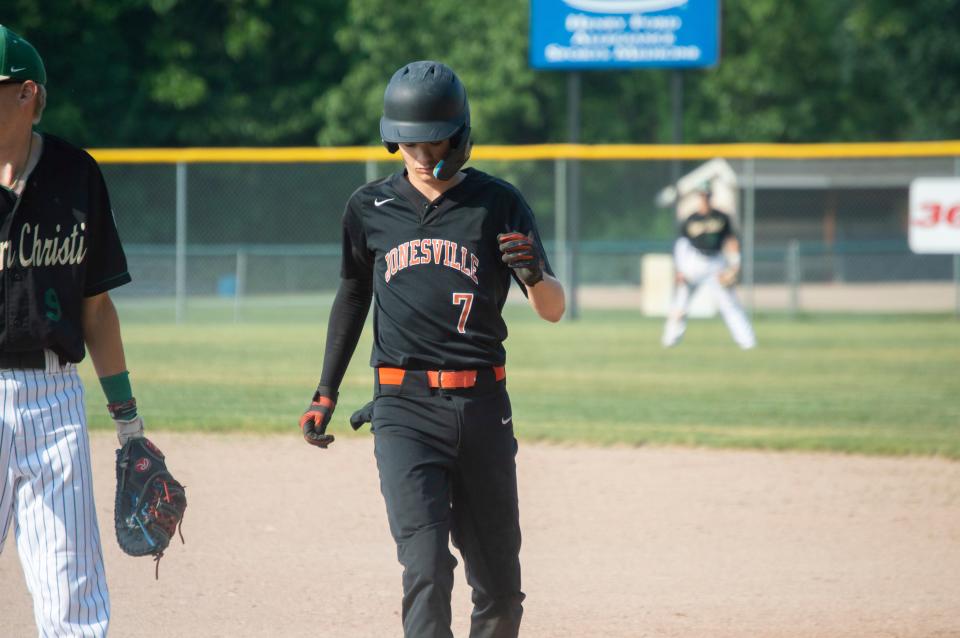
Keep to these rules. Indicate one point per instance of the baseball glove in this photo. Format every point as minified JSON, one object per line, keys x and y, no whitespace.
{"x":150,"y":502}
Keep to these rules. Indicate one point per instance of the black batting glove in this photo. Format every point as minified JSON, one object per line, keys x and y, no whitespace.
{"x":521,"y":254}
{"x":313,"y":423}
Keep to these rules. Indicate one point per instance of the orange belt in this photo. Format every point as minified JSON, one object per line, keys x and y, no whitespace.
{"x":443,"y":379}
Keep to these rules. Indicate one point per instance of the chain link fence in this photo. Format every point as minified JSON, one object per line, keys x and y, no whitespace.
{"x":268,"y":232}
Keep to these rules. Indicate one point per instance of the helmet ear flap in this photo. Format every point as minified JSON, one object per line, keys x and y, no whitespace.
{"x":457,"y":156}
{"x":392,"y":147}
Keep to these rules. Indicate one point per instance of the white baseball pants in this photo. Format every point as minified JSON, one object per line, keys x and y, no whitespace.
{"x":699,"y":270}
{"x":46,"y":493}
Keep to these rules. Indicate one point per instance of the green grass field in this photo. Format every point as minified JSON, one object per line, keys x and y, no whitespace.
{"x":865,"y":384}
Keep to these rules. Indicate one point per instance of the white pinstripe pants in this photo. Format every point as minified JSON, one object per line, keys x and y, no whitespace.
{"x":46,"y":492}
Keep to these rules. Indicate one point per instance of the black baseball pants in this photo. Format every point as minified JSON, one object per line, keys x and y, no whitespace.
{"x":447,"y":470}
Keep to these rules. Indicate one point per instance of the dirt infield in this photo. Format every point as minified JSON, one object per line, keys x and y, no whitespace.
{"x":286,"y":540}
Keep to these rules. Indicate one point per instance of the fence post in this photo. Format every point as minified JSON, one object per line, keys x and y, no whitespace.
{"x":371,"y":171}
{"x":180,"y":267}
{"x":573,"y":239}
{"x":240,"y":283}
{"x":561,"y":220}
{"x":956,"y":258}
{"x":748,"y":231}
{"x":956,"y":285}
{"x":793,"y":275}
{"x":573,"y":183}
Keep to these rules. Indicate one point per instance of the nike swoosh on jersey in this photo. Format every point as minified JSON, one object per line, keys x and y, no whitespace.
{"x":506,"y":420}
{"x":380,"y":202}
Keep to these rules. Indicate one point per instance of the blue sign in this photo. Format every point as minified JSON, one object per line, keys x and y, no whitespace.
{"x":603,"y":34}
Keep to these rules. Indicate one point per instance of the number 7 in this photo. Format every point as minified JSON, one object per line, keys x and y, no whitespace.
{"x":465,"y":298}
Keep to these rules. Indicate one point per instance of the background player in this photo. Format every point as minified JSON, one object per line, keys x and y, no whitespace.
{"x":707,"y":254}
{"x":435,"y":247}
{"x":59,"y":255}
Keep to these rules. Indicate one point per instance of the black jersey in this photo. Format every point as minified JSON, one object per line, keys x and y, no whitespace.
{"x":438,"y":280}
{"x":707,"y":231}
{"x":58,"y":244}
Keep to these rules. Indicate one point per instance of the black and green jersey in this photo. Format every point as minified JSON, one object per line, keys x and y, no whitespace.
{"x":707,"y":231}
{"x":58,"y":245}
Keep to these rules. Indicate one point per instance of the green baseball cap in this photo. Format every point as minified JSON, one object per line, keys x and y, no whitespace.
{"x":18,"y":59}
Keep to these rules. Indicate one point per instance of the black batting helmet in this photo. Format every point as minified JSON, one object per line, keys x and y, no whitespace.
{"x":426,"y":102}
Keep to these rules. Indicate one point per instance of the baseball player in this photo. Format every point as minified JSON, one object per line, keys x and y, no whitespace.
{"x":435,"y":247}
{"x":707,"y":254}
{"x":59,"y":255}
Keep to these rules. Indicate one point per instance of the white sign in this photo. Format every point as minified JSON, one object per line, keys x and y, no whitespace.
{"x":935,"y":215}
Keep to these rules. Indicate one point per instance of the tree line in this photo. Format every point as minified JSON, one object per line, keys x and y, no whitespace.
{"x":138,"y":73}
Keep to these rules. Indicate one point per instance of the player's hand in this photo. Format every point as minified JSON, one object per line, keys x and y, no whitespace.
{"x":313,"y":423}
{"x":728,"y":277}
{"x":679,"y":279}
{"x":129,"y":423}
{"x":521,"y":254}
{"x":129,"y":429}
